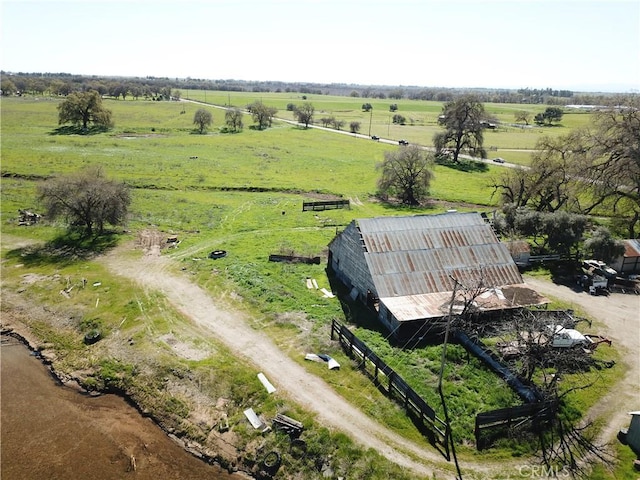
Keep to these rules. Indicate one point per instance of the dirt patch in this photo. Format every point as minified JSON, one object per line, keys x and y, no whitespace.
{"x":184,"y":349}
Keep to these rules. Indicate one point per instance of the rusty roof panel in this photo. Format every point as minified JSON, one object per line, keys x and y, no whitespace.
{"x":435,"y":305}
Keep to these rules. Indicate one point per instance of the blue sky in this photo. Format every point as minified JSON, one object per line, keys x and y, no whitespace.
{"x":576,"y":45}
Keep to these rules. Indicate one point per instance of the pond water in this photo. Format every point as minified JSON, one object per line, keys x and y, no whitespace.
{"x":53,"y":432}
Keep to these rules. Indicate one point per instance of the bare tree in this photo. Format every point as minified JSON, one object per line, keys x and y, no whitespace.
{"x":86,"y":198}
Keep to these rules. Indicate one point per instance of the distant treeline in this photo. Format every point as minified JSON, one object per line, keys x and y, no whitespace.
{"x":163,"y":88}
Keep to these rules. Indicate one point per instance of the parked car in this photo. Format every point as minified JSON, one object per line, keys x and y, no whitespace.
{"x":375,"y":137}
{"x":403,"y":142}
{"x":498,"y":160}
{"x":567,"y":337}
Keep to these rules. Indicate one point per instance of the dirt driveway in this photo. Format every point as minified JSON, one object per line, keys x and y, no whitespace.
{"x":290,"y":379}
{"x":619,"y":312}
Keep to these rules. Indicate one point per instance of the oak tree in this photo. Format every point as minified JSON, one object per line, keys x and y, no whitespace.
{"x":84,"y":108}
{"x":406,"y":174}
{"x":304,"y":113}
{"x":462,"y":120}
{"x":202,"y":119}
{"x":86,"y":199}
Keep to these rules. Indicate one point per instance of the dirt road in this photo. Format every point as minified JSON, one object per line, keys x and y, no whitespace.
{"x":289,"y":378}
{"x":619,"y":312}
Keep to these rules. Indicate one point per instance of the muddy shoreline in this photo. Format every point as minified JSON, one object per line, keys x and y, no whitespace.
{"x":53,"y":428}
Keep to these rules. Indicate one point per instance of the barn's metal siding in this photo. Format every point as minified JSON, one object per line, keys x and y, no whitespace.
{"x":348,"y":260}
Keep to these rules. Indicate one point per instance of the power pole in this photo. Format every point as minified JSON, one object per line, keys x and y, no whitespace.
{"x":449,"y":438}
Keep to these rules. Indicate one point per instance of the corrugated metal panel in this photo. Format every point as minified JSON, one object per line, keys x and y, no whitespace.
{"x":436,"y":305}
{"x":408,"y":269}
{"x":632,"y":248}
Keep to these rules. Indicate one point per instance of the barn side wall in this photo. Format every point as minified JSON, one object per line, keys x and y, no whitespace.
{"x":346,"y":253}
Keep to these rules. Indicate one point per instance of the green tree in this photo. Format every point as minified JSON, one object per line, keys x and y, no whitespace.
{"x":83,"y":108}
{"x":233,"y":118}
{"x":603,"y":246}
{"x":8,"y":87}
{"x":262,"y":114}
{"x":202,"y":119}
{"x":406,"y":174}
{"x":552,"y":114}
{"x":462,"y":120}
{"x":304,"y":113}
{"x":86,"y":198}
{"x":399,"y":119}
{"x":354,"y":127}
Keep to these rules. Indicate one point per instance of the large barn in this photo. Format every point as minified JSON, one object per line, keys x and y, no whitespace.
{"x":405,"y":267}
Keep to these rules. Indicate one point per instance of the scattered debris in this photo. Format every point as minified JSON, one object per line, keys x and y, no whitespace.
{"x":256,"y":422}
{"x":267,"y":384}
{"x":291,"y":427}
{"x":311,"y":283}
{"x":321,"y":357}
{"x":28,"y":217}
{"x":327,"y":293}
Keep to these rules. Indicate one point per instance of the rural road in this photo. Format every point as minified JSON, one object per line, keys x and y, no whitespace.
{"x":619,"y":312}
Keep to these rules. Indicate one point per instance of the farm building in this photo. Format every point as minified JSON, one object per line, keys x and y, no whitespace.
{"x":404,"y":268}
{"x":629,"y":262}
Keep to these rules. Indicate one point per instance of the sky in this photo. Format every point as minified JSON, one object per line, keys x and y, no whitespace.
{"x":576,"y":45}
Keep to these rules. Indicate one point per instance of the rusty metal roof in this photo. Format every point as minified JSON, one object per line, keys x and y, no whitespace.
{"x":419,"y":254}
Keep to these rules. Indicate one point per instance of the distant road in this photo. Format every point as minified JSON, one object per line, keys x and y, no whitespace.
{"x":381,"y":140}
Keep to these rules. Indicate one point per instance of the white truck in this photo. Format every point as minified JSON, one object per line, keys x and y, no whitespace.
{"x":562,"y":337}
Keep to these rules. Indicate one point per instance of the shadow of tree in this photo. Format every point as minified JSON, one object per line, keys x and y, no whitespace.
{"x":463,"y":165}
{"x":64,"y":250}
{"x":78,"y":130}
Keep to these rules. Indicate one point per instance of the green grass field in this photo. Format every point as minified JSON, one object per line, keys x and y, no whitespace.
{"x":243,"y":193}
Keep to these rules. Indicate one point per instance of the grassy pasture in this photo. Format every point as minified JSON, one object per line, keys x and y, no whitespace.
{"x":243,"y":193}
{"x":421,"y":117}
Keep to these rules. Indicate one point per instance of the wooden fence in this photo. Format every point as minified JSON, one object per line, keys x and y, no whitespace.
{"x":538,"y":413}
{"x":393,"y":384}
{"x":325,"y":205}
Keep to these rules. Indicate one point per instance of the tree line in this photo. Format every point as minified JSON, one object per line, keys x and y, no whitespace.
{"x":161,"y":88}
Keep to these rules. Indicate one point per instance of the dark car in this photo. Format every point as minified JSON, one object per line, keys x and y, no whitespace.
{"x":498,"y":160}
{"x":403,"y":142}
{"x":375,"y":137}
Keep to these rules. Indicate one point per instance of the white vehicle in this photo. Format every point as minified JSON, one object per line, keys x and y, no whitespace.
{"x":568,"y":337}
